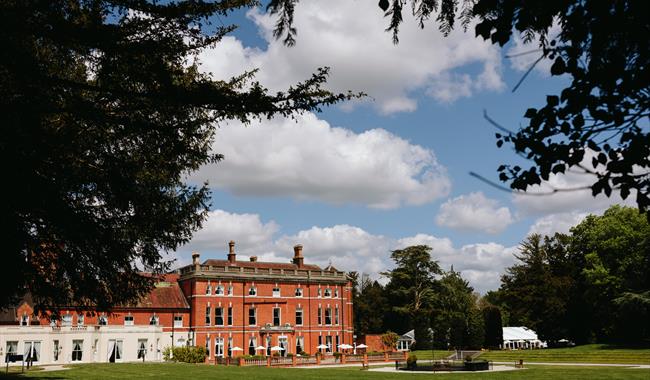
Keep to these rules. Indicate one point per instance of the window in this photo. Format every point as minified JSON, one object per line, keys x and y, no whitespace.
{"x":12,"y":347}
{"x":336,"y":315}
{"x":298,"y":292}
{"x":219,"y":290}
{"x":328,"y":343}
{"x":66,"y":320}
{"x":178,"y":321}
{"x":218,"y":347}
{"x":252,"y":317}
{"x":102,"y":321}
{"x":218,"y":316}
{"x":77,"y":350}
{"x":319,"y":292}
{"x":142,"y":348}
{"x":336,"y":293}
{"x":207,"y":315}
{"x":80,"y":319}
{"x":208,"y":289}
{"x":231,"y":291}
{"x":320,"y":342}
{"x":252,"y":291}
{"x":230,"y":316}
{"x":32,"y":351}
{"x":207,"y":346}
{"x":153,"y":320}
{"x":128,"y":320}
{"x":320,"y":315}
{"x":298,"y":318}
{"x":300,"y":343}
{"x":24,"y":320}
{"x":251,"y":346}
{"x":328,"y":292}
{"x":336,"y":345}
{"x":276,"y":292}
{"x":229,"y":347}
{"x":268,"y":345}
{"x":328,"y":315}
{"x":276,"y":316}
{"x":114,"y":350}
{"x":56,"y":351}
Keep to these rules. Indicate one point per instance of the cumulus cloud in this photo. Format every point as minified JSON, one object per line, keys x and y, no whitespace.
{"x":252,"y":235}
{"x":550,"y":224}
{"x":348,"y":37}
{"x":311,"y":160}
{"x":474,"y":212}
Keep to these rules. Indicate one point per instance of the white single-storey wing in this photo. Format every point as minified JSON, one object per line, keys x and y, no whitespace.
{"x":520,"y":338}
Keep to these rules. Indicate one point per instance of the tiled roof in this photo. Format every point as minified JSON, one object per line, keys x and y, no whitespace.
{"x":259,"y":264}
{"x":166,"y":295}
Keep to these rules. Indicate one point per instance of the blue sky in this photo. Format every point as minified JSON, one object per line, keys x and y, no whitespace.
{"x":363,"y":178}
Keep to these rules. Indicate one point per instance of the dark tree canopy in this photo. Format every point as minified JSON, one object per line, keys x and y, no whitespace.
{"x":600,"y":123}
{"x":104,"y":113}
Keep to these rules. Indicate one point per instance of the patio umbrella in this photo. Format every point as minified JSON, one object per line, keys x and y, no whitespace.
{"x":260,"y":348}
{"x":236,"y":349}
{"x":277,"y":348}
{"x":344,"y":346}
{"x":322,"y":346}
{"x":362,"y":346}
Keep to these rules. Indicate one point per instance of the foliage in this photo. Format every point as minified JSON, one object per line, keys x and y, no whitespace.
{"x":185,"y":354}
{"x":493,"y":326}
{"x":389,"y":340}
{"x":590,"y":285}
{"x":411,"y":288}
{"x":104,"y":115}
{"x":598,"y":124}
{"x":412,"y":361}
{"x":370,"y":307}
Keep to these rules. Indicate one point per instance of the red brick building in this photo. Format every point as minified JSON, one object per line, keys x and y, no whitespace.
{"x":251,"y":304}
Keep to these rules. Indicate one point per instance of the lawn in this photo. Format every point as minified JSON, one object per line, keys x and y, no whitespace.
{"x":592,"y":353}
{"x":189,"y":371}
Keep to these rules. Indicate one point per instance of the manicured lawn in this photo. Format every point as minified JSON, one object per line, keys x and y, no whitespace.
{"x":188,"y":372}
{"x":592,"y":353}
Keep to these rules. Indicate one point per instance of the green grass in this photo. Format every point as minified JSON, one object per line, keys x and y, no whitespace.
{"x":190,"y":371}
{"x":592,"y":353}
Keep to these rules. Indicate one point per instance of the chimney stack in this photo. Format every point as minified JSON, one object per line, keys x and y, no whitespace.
{"x":231,"y":253}
{"x":195,"y":258}
{"x":297,"y":256}
{"x":253,"y":259}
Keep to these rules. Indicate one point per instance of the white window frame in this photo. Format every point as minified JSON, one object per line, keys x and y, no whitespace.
{"x":80,"y":351}
{"x":128,"y":320}
{"x":178,"y":321}
{"x":66,"y":320}
{"x":277,"y":292}
{"x":154,"y":320}
{"x":279,"y":310}
{"x":80,"y":319}
{"x":298,"y":292}
{"x":300,"y":311}
{"x":252,"y":291}
{"x":328,"y":293}
{"x":102,"y":320}
{"x":219,"y":291}
{"x":254,"y":316}
{"x":216,"y":316}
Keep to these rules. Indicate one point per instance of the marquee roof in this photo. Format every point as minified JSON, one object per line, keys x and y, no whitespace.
{"x":518,"y":333}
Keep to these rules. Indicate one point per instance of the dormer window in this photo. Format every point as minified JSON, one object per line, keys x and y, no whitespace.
{"x":328,"y":292}
{"x":153,"y":321}
{"x":66,"y":320}
{"x":128,"y":320}
{"x":298,"y":292}
{"x":80,"y":319}
{"x":219,"y":290}
{"x":102,"y":320}
{"x":276,"y":292}
{"x":252,"y":291}
{"x":24,"y":320}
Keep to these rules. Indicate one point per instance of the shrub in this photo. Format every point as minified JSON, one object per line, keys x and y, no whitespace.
{"x":305,"y":354}
{"x":412,"y":361}
{"x":185,"y":354}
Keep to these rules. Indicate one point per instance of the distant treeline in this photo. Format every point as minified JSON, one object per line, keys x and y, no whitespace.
{"x":590,"y":285}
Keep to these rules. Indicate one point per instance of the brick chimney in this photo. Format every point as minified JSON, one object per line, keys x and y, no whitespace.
{"x":231,"y":252}
{"x":195,"y":258}
{"x":253,"y":259}
{"x":297,"y":256}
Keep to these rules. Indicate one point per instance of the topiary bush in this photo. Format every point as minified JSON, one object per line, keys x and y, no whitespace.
{"x":412,"y":361}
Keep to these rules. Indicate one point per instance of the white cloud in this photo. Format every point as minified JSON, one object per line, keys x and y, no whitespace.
{"x":348,"y":248}
{"x":252,"y":236}
{"x":523,"y":55}
{"x":309,"y":159}
{"x":474,"y":212}
{"x":562,"y":222}
{"x":348,"y":37}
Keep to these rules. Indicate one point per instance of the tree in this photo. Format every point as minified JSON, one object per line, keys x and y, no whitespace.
{"x":389,"y":340}
{"x":411,"y":288}
{"x":493,"y":326}
{"x":370,"y":307}
{"x":601,"y":116}
{"x":104,"y":114}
